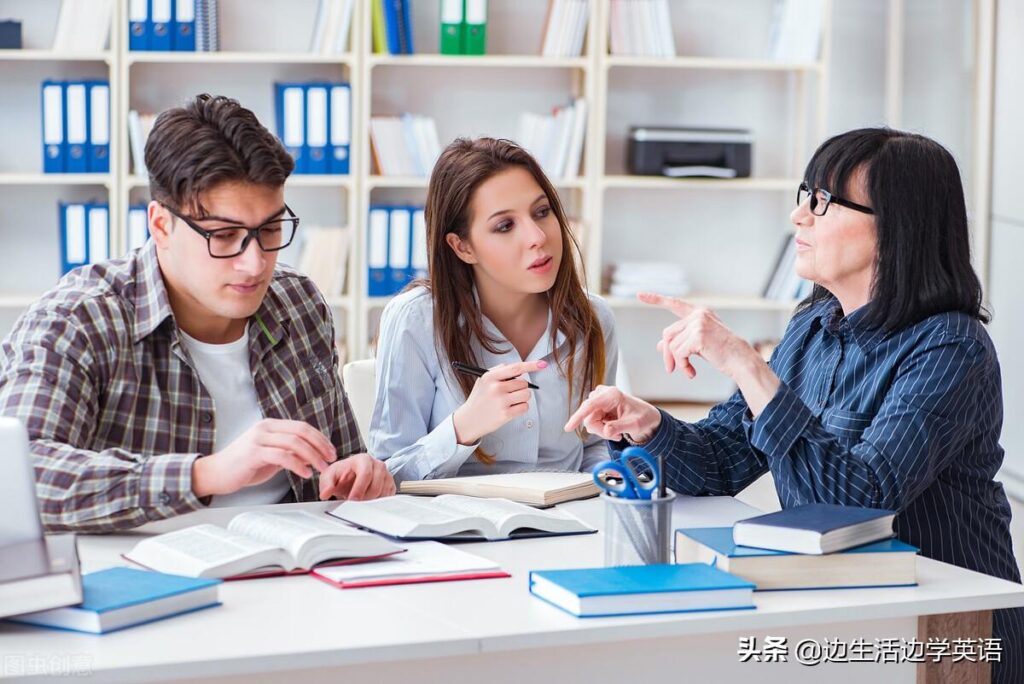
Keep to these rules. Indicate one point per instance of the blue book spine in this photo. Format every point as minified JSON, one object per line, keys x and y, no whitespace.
{"x":54,"y":128}
{"x":290,"y":104}
{"x":99,"y":126}
{"x":316,"y":127}
{"x":340,"y":129}
{"x":76,"y":112}
{"x":138,"y":25}
{"x":161,"y":16}
{"x":392,"y":15}
{"x":406,"y":28}
{"x":184,"y":27}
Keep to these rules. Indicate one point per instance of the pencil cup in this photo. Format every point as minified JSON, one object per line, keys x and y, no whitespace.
{"x":637,"y":531}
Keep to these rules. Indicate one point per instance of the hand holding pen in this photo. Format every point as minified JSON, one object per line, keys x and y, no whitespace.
{"x":498,"y":396}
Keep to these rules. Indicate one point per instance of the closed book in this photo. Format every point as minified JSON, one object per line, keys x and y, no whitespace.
{"x":39,"y":574}
{"x":531,"y":488}
{"x":884,"y":563}
{"x":641,"y":589}
{"x":428,"y":561}
{"x":815,"y":528}
{"x":116,"y":598}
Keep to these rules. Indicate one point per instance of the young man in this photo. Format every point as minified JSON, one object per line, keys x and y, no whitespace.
{"x":194,"y":371}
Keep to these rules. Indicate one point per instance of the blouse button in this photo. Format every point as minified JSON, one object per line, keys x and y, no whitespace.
{"x":529,"y":424}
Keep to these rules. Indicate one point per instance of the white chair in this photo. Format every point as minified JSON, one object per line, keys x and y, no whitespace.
{"x":359,"y":378}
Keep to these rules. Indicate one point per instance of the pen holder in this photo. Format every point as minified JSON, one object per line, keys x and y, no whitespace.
{"x":637,"y":531}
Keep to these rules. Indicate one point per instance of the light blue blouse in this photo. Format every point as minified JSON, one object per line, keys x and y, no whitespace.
{"x":412,"y":428}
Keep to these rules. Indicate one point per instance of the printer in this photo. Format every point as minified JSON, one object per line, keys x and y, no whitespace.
{"x":689,"y":152}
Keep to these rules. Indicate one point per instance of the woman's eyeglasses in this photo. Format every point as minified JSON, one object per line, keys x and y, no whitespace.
{"x":821,"y":199}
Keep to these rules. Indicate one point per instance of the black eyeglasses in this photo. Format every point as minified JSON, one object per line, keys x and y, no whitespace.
{"x":821,"y":199}
{"x":230,"y":241}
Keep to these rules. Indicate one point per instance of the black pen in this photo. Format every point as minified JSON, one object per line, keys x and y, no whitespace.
{"x":473,"y":370}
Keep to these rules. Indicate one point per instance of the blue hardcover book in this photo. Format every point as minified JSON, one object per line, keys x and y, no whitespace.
{"x":74,"y":236}
{"x":340,"y":129}
{"x":889,"y":562}
{"x":117,"y":598}
{"x":641,"y":589}
{"x":138,"y":25}
{"x":98,"y":97}
{"x":290,"y":107}
{"x":815,"y":528}
{"x":184,"y":26}
{"x":54,"y":128}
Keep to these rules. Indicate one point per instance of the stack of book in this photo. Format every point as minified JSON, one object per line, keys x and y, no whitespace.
{"x":406,"y":145}
{"x":324,"y":258}
{"x":565,"y":28}
{"x":641,"y":28}
{"x":392,"y":27}
{"x":332,"y":27}
{"x":83,"y":26}
{"x":556,"y":140}
{"x":632,"y":277}
{"x":784,"y":284}
{"x":531,"y":488}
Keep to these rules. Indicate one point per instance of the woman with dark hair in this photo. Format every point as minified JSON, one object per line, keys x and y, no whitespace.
{"x":503,"y":293}
{"x":884,"y":391}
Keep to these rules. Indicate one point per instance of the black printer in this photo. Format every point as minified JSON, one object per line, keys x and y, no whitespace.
{"x":690,"y":152}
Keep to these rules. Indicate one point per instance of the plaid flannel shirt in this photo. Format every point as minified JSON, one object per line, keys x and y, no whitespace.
{"x":117,"y":415}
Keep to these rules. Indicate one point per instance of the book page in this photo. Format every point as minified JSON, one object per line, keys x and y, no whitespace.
{"x":410,"y":516}
{"x":508,"y":515}
{"x":196,"y":550}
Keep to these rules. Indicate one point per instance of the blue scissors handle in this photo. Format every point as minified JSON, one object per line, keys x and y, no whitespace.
{"x":645,"y":489}
{"x":622,"y":486}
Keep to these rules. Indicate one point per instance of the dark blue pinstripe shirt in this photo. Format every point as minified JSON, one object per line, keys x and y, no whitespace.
{"x":907,"y":420}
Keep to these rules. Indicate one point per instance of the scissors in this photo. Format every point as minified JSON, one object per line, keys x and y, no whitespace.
{"x":626,"y":482}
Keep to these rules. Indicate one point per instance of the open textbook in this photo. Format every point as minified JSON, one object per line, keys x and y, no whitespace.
{"x":452,"y":516}
{"x":535,"y":488}
{"x":257,"y":544}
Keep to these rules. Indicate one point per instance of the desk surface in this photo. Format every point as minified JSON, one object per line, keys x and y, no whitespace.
{"x":299,"y":622}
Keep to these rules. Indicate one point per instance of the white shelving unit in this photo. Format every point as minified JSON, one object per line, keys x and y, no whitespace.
{"x":726,"y":232}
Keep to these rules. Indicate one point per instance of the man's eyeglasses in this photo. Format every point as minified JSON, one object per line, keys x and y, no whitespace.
{"x":821,"y":199}
{"x":230,"y":241}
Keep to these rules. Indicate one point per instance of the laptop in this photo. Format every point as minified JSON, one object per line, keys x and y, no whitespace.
{"x":19,"y":512}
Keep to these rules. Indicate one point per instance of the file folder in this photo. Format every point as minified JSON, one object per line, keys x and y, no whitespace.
{"x":54,"y":128}
{"x":452,"y":28}
{"x":316,"y":128}
{"x":76,"y":110}
{"x":476,"y":27}
{"x":73,"y":237}
{"x":418,"y":260}
{"x":138,"y":226}
{"x":99,"y":233}
{"x":399,"y":247}
{"x":291,"y":121}
{"x":340,"y":128}
{"x":138,"y":25}
{"x":184,"y":26}
{"x":377,"y":253}
{"x":161,"y":15}
{"x":99,"y":126}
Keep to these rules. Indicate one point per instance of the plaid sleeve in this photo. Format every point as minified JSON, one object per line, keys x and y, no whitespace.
{"x":51,"y":381}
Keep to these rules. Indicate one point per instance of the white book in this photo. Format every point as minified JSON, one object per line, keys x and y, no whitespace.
{"x":257,"y":543}
{"x":579,"y":129}
{"x":665,"y":21}
{"x":533,"y":488}
{"x":324,"y":9}
{"x":615,"y":27}
{"x":452,"y":516}
{"x":422,"y":562}
{"x":796,"y":30}
{"x":563,"y":122}
{"x":137,"y":143}
{"x":343,"y":28}
{"x":555,"y":28}
{"x":581,"y":29}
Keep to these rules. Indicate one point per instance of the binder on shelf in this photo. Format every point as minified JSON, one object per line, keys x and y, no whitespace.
{"x":405,"y":27}
{"x":316,"y":128}
{"x":397,"y":24}
{"x":290,"y":103}
{"x":452,"y":27}
{"x":74,"y":248}
{"x":340,"y":109}
{"x":138,"y":226}
{"x":138,"y":25}
{"x":54,"y":127}
{"x":99,"y":126}
{"x":476,"y":27}
{"x":76,"y":110}
{"x":99,"y":232}
{"x":380,"y":37}
{"x":184,"y":26}
{"x":377,"y":252}
{"x":418,"y":260}
{"x":161,"y":15}
{"x":399,"y":247}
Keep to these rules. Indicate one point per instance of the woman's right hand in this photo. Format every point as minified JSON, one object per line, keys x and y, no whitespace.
{"x":498,"y":396}
{"x":608,"y":413}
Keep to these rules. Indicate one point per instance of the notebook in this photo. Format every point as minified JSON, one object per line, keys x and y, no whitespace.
{"x":117,"y":598}
{"x":888,"y":562}
{"x":641,"y":589}
{"x":428,"y":561}
{"x":815,"y":528}
{"x":533,"y":488}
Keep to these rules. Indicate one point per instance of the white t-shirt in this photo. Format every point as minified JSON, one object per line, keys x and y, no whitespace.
{"x":225,"y":373}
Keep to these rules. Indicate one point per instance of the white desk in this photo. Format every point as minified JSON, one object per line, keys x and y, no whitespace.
{"x":490,"y":631}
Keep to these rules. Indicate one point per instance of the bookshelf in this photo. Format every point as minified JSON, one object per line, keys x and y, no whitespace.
{"x":726,"y":232}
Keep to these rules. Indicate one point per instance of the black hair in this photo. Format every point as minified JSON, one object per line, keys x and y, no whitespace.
{"x":923,"y":266}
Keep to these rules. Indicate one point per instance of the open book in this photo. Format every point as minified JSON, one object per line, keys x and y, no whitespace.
{"x":258,"y":544}
{"x":534,"y":488}
{"x":456,"y":517}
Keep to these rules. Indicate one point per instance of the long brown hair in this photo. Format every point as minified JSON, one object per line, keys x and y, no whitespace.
{"x":463,"y":166}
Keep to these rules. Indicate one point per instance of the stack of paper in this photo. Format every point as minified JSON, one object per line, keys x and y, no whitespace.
{"x":404,"y":146}
{"x":633,"y":277}
{"x":332,"y":27}
{"x":556,"y":140}
{"x":641,"y":28}
{"x":565,"y":28}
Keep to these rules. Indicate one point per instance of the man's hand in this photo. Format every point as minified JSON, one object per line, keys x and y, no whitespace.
{"x":357,"y":478}
{"x":259,"y":453}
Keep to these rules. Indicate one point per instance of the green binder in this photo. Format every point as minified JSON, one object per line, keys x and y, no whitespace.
{"x":380,"y":39}
{"x":453,"y":29}
{"x":476,"y":27}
